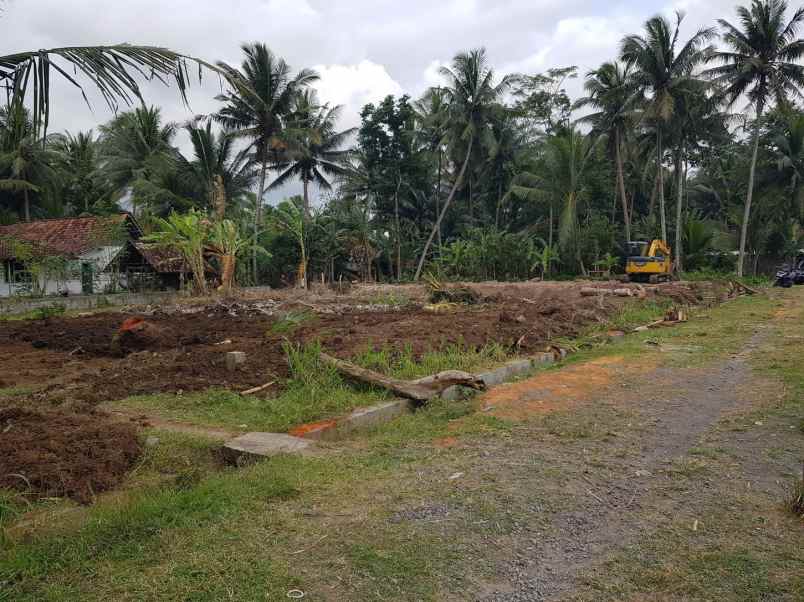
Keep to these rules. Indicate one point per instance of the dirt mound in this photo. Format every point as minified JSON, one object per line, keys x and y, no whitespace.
{"x":137,"y":334}
{"x":56,"y":453}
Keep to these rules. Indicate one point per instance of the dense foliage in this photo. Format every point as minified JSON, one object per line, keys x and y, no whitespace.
{"x":486,"y":176}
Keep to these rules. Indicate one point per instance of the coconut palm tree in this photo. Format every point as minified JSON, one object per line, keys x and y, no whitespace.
{"x":471,"y":93}
{"x":257,"y":104}
{"x":432,"y":116}
{"x":217,"y":172}
{"x":139,"y":157}
{"x":314,"y":150}
{"x":663,"y":71}
{"x":610,"y":92}
{"x":761,"y":63}
{"x":26,"y":160}
{"x":78,"y":163}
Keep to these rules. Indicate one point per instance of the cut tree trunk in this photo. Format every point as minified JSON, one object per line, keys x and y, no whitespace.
{"x":422,"y":390}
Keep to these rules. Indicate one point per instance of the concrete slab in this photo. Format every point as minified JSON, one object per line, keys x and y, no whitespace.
{"x":234,"y":359}
{"x":254,"y":446}
{"x":360,"y":419}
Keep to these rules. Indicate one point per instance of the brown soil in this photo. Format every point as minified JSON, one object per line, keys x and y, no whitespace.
{"x":554,"y":390}
{"x":54,"y":453}
{"x":109,"y":356}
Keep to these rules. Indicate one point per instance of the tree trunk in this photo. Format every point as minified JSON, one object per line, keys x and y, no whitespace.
{"x":550,"y":231}
{"x":219,"y":197}
{"x":443,"y":212}
{"x":27,"y":207}
{"x":398,"y":233}
{"x":227,"y":273}
{"x":438,"y":194}
{"x":301,"y":271}
{"x":679,"y":211}
{"x":621,"y":184}
{"x":306,"y":197}
{"x":750,"y":195}
{"x":653,"y":192}
{"x":499,"y":205}
{"x":662,"y":210}
{"x":258,"y":219}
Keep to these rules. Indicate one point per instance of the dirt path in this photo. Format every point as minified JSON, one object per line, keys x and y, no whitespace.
{"x":681,"y":405}
{"x":151,"y":421}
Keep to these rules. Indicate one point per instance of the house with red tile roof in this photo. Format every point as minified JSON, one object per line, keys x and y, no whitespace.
{"x":82,"y":255}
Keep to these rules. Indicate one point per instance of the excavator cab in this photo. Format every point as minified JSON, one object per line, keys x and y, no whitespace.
{"x":648,"y":261}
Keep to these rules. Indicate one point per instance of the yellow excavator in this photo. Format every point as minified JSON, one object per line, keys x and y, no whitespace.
{"x":648,"y":261}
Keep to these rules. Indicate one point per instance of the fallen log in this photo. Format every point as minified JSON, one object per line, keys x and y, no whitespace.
{"x":422,"y":390}
{"x":450,"y":378}
{"x":745,"y":288}
{"x":618,"y":292}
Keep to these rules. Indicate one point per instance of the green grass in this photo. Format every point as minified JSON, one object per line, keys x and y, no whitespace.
{"x":314,"y":391}
{"x":135,"y":530}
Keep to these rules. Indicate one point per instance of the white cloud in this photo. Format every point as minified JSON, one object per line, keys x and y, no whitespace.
{"x":354,"y":86}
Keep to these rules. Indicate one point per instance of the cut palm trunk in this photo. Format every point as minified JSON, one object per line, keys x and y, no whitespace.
{"x":422,"y":390}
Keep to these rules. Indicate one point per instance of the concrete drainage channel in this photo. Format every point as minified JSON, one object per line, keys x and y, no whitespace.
{"x":302,"y":440}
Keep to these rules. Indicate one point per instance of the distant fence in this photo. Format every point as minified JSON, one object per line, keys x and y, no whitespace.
{"x":19,"y":305}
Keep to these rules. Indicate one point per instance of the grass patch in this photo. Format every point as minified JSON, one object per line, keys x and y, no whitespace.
{"x":793,"y":498}
{"x":405,"y":365}
{"x":136,"y":528}
{"x":313,"y":392}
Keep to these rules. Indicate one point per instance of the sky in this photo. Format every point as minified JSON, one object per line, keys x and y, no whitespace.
{"x":363,"y":49}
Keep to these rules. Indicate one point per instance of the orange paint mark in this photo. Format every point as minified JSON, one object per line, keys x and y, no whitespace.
{"x":131,"y":324}
{"x":304,"y":430}
{"x":551,"y":390}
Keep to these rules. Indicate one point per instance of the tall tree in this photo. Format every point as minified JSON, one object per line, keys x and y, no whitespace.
{"x":395,"y":168}
{"x":138,"y":154}
{"x":314,"y":152}
{"x":432,"y":117}
{"x":257,"y":105}
{"x":761,"y":63}
{"x":610,"y":92}
{"x":26,"y":160}
{"x":663,"y":71}
{"x":78,"y":158}
{"x":472,"y":94}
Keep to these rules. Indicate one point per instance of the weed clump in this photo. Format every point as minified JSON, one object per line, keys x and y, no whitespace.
{"x":793,"y":501}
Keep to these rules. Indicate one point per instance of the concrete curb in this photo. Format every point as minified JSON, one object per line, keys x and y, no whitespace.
{"x":299,"y":439}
